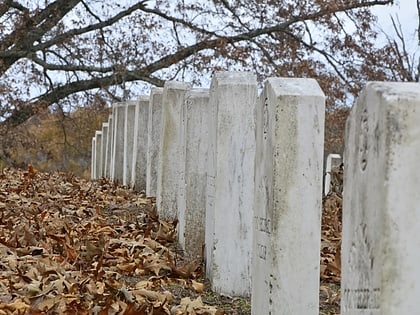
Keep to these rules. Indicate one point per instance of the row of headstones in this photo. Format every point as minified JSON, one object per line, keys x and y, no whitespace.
{"x":243,"y":175}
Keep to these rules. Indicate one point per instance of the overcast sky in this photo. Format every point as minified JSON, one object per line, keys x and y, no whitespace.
{"x":406,"y":10}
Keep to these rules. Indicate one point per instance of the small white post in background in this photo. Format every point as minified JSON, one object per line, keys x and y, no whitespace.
{"x":328,"y":167}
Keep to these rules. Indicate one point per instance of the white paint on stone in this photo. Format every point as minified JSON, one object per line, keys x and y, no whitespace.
{"x":118,"y":110}
{"x":288,"y":191}
{"x":93,"y":160}
{"x":98,"y":154}
{"x":171,"y":160}
{"x":104,"y":148}
{"x":129,"y":131}
{"x":153,"y":140}
{"x":332,"y":159}
{"x":381,"y":198}
{"x":139,"y":158}
{"x":108,"y":152}
{"x":192,"y":206}
{"x":230,"y":182}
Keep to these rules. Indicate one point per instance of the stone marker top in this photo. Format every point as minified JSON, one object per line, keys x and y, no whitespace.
{"x":294,"y":86}
{"x":176,"y":85}
{"x":156,"y":90}
{"x":143,"y":98}
{"x":235,"y":77}
{"x":98,"y":133}
{"x":105,"y":124}
{"x":396,"y":90}
{"x":199,"y":92}
{"x":119,"y":104}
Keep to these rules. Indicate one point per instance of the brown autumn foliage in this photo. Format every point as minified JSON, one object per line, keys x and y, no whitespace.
{"x":55,"y":141}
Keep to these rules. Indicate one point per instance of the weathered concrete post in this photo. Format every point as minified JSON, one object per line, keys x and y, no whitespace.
{"x":118,"y":113}
{"x":192,"y":206}
{"x":139,"y":158}
{"x":171,"y":162}
{"x":288,"y":197}
{"x":103,"y":148}
{"x":230,"y":182}
{"x":129,"y":139}
{"x":98,"y":151}
{"x":381,"y":198}
{"x":153,"y":140}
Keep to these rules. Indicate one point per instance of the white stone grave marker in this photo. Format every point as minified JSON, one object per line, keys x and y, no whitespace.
{"x":230,"y":182}
{"x":171,"y":162}
{"x":381,"y":202}
{"x":153,"y":140}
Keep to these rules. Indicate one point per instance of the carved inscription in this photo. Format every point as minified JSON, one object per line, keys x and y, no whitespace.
{"x":264,"y":225}
{"x":362,"y":299}
{"x":262,"y":251}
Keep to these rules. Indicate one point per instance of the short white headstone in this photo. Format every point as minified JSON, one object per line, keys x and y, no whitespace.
{"x":171,"y":161}
{"x":288,"y":197}
{"x":230,"y":182}
{"x":381,"y":202}
{"x":153,"y":140}
{"x":192,"y":207}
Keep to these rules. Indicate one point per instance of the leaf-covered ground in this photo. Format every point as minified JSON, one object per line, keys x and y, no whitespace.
{"x":71,"y":246}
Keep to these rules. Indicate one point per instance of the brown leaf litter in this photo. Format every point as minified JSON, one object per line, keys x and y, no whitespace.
{"x":71,"y":246}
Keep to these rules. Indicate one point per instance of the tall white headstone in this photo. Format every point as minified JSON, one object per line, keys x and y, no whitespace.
{"x":381,"y":198}
{"x":192,"y":203}
{"x":93,"y":159}
{"x":98,"y":151}
{"x":129,"y":139}
{"x":118,"y":113}
{"x":139,"y":158}
{"x":103,"y":147}
{"x":288,"y":197}
{"x":230,"y":182}
{"x":108,"y":152}
{"x":153,"y":140}
{"x":171,"y":162}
